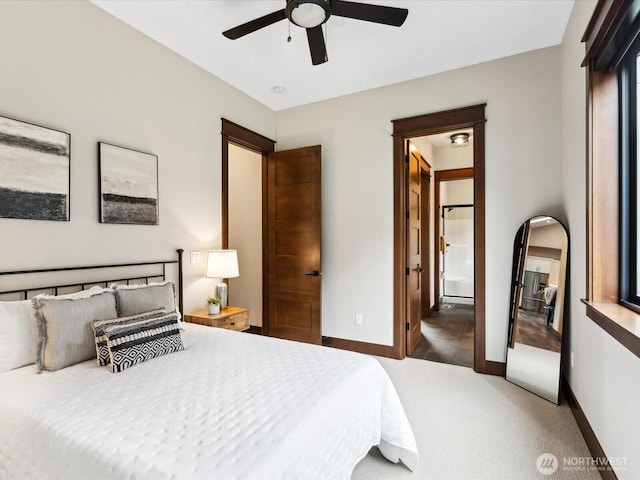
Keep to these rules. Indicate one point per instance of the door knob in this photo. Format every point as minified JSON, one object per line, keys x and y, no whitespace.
{"x":315,"y":273}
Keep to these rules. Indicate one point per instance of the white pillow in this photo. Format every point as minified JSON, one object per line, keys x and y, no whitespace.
{"x":18,"y":335}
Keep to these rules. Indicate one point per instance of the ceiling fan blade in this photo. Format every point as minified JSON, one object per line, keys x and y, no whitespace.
{"x":369,"y":13}
{"x":253,"y":25}
{"x":316,"y":45}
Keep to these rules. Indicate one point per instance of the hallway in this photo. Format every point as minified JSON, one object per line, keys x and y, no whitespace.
{"x":447,"y":336}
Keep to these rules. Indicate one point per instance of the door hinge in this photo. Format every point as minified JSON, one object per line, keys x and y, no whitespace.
{"x":406,"y":158}
{"x":408,"y":326}
{"x":407,"y":214}
{"x":407,"y":271}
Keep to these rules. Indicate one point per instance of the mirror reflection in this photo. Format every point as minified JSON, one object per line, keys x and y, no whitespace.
{"x":538,"y":280}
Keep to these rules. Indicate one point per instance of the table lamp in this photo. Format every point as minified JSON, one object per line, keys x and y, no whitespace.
{"x":222,"y":264}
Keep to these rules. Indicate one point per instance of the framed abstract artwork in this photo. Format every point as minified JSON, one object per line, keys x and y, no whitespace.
{"x":35,"y":167}
{"x":128,"y":186}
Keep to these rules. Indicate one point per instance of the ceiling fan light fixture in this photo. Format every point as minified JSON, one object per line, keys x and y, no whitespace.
{"x":308,"y":13}
{"x":459,"y":139}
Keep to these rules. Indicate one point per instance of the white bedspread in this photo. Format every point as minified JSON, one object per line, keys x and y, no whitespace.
{"x":231,"y":406}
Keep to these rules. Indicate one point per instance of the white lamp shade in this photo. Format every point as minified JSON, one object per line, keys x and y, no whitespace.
{"x":222,"y":264}
{"x":308,"y":15}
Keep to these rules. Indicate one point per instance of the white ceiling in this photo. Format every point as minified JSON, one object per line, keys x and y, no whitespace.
{"x":438,"y":35}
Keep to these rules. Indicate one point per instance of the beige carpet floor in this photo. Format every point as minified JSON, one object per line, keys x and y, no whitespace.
{"x":472,"y":426}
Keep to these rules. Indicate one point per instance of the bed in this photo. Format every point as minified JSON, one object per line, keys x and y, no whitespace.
{"x":230,"y":405}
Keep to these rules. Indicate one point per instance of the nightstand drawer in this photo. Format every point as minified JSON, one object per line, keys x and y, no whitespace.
{"x":238,"y":321}
{"x":231,"y":318}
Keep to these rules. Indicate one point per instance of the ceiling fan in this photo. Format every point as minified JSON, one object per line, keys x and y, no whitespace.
{"x":311,"y":14}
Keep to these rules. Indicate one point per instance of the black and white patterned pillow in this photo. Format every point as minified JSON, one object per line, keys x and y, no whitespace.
{"x":102,"y":351}
{"x":137,"y":341}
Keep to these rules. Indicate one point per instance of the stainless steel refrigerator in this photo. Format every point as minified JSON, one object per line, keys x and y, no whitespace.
{"x":532,"y":291}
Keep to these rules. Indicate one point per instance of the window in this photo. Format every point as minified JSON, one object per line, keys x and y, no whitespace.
{"x":613,"y":71}
{"x":629,"y":108}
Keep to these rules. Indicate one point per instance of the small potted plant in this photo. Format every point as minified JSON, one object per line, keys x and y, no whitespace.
{"x":214,"y":305}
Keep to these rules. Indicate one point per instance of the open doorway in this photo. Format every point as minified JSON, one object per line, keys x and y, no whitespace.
{"x":245,"y":152}
{"x":244,"y":227}
{"x":446,"y":333}
{"x":472,"y":118}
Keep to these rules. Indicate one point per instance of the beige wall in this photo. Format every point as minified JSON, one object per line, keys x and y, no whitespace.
{"x":605,"y":374}
{"x":449,"y":158}
{"x":549,"y":236}
{"x":73,"y":67}
{"x":456,"y":192}
{"x":523,"y":179}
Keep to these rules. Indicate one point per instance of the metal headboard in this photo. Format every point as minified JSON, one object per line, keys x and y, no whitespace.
{"x":119,"y":279}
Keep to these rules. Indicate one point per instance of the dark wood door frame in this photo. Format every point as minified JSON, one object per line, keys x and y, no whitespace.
{"x":425,"y":171}
{"x":430,"y":124}
{"x":243,"y":137}
{"x":443,"y":176}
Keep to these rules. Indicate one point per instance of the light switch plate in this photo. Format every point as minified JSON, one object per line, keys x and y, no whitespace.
{"x":195,"y":257}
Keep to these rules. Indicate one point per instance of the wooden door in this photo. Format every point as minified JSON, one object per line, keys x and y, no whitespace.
{"x":414,"y":251}
{"x":294,"y":265}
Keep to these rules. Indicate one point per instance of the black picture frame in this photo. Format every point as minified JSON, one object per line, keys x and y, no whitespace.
{"x":128,"y":185}
{"x":35,"y":171}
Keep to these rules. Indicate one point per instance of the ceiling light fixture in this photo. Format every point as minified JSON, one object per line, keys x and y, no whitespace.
{"x":459,"y":139}
{"x":541,"y":219}
{"x":308,"y":13}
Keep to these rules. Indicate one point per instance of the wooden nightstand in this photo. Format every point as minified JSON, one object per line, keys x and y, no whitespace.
{"x":231,"y":318}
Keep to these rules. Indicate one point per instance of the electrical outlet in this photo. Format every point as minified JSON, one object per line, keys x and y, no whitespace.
{"x":195,"y":257}
{"x":358,"y":319}
{"x":571,"y":358}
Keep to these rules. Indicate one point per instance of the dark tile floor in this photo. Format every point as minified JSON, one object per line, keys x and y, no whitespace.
{"x":447,"y":336}
{"x":532,"y":330}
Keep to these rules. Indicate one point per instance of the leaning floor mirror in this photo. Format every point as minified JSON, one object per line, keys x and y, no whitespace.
{"x":536,"y":306}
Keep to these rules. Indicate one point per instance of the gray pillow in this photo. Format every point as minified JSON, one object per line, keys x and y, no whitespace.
{"x":135,"y":299}
{"x":66,"y":336}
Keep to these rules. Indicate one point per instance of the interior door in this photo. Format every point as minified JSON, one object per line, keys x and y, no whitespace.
{"x":414,"y":251}
{"x":294,"y":244}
